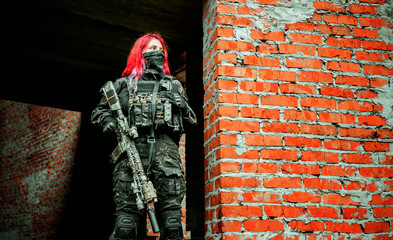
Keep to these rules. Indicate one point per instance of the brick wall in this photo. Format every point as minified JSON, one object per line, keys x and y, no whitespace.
{"x":298,"y":119}
{"x":37,"y":145}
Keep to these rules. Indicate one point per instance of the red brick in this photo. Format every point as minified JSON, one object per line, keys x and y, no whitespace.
{"x":336,"y":199}
{"x":312,"y":226}
{"x":302,"y":142}
{"x":342,"y":145}
{"x":376,"y":82}
{"x":273,"y":36}
{"x":365,"y":33}
{"x":305,"y":38}
{"x":371,"y":120}
{"x":318,"y":103}
{"x":376,"y":172}
{"x":340,"y":19}
{"x":225,"y":97}
{"x":302,"y":197}
{"x":261,"y":61}
{"x":356,"y":106}
{"x":343,"y":227}
{"x":232,"y":153}
{"x":338,"y":171}
{"x":376,"y":147}
{"x":318,"y":129}
{"x":334,"y":30}
{"x":279,"y":154}
{"x":357,"y":81}
{"x":374,"y":45}
{"x":267,"y":48}
{"x":222,"y":84}
{"x":261,"y":197}
{"x":239,"y":211}
{"x":227,"y":111}
{"x":377,"y":70}
{"x":233,"y":45}
{"x":263,"y":140}
{"x":259,"y":86}
{"x":379,"y":200}
{"x":300,"y":115}
{"x":336,"y":91}
{"x":322,"y":212}
{"x":296,"y":88}
{"x":318,"y":183}
{"x":373,"y":22}
{"x":383,"y":212}
{"x":343,"y":42}
{"x":357,"y":158}
{"x":224,"y":198}
{"x":334,"y":53}
{"x":221,"y":57}
{"x":366,"y":94}
{"x":227,"y":226}
{"x":337,"y":118}
{"x":376,"y":227}
{"x":369,"y":56}
{"x":224,"y":167}
{"x":233,"y":20}
{"x":328,"y":6}
{"x":263,"y":225}
{"x":259,"y":113}
{"x":354,"y":8}
{"x":229,"y":125}
{"x":277,"y":100}
{"x":230,"y":182}
{"x":235,"y":72}
{"x":260,"y":167}
{"x":302,"y":26}
{"x":343,"y":66}
{"x":385,"y":133}
{"x":226,"y":9}
{"x":297,"y":49}
{"x":280,"y":127}
{"x":354,"y":213}
{"x":277,"y":75}
{"x":304,"y":63}
{"x":305,"y":76}
{"x":319,"y":156}
{"x":289,"y":168}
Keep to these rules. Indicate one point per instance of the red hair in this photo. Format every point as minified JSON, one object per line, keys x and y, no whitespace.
{"x":136,"y":63}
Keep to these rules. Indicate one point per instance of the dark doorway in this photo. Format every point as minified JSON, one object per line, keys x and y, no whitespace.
{"x":59,"y":54}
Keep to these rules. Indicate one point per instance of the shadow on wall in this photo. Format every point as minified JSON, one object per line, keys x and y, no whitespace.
{"x":88,"y":212}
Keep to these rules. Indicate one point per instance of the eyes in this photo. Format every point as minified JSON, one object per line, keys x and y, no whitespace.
{"x":154,"y":48}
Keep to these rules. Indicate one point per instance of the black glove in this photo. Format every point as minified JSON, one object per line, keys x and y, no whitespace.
{"x":109,"y":125}
{"x":174,"y":98}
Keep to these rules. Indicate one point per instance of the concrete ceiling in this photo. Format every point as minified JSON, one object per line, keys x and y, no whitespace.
{"x":77,"y":41}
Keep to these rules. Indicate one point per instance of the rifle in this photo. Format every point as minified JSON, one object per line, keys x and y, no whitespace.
{"x":141,"y":185}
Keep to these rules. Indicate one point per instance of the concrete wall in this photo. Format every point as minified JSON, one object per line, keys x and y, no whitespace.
{"x":298,"y":119}
{"x":37,"y":145}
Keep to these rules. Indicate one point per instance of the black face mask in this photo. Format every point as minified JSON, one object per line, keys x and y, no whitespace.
{"x":155,"y":60}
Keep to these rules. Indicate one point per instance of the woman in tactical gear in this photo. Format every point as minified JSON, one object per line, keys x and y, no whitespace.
{"x":157,"y":109}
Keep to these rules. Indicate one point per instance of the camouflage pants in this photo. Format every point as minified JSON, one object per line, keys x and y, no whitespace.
{"x":167,"y":175}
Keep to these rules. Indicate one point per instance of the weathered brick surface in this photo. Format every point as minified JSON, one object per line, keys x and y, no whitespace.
{"x":298,"y":119}
{"x":38,"y":145}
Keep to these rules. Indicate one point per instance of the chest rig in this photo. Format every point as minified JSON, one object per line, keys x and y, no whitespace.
{"x":146,"y":101}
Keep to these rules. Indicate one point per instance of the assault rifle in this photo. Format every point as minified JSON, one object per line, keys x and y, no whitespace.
{"x":141,"y":185}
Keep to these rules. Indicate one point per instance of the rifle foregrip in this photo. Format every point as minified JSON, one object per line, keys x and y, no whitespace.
{"x":153,"y":219}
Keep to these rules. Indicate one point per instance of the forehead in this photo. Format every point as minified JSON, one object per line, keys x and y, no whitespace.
{"x":154,"y":42}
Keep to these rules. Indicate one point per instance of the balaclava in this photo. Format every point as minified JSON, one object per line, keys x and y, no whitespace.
{"x":155,"y":60}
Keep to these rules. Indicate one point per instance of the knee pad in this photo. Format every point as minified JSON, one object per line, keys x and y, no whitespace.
{"x":172,"y":226}
{"x":126,"y":228}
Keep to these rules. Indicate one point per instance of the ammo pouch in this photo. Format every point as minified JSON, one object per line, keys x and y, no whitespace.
{"x":140,"y":107}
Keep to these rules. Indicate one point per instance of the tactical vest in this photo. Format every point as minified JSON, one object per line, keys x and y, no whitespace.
{"x":140,"y":106}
